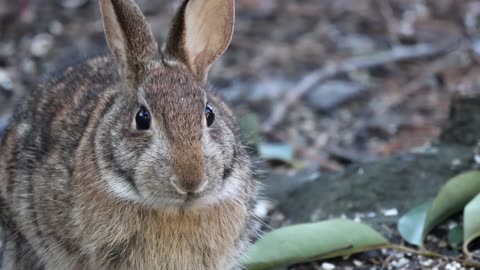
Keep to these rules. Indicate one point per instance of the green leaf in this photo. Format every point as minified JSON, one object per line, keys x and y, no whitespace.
{"x":311,"y":242}
{"x":452,"y":198}
{"x":412,"y":224}
{"x":250,"y":128}
{"x":471,"y":223}
{"x":276,"y":151}
{"x":455,"y":237}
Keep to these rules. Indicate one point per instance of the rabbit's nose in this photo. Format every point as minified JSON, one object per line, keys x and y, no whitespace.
{"x":185,"y":187}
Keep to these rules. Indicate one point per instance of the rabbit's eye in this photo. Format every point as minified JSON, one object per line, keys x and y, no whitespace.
{"x":143,"y":119}
{"x":210,"y":115}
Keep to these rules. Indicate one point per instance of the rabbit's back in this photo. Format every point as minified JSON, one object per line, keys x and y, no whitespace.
{"x":37,"y":160}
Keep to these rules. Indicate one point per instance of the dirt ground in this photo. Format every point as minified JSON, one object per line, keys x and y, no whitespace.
{"x":340,"y":81}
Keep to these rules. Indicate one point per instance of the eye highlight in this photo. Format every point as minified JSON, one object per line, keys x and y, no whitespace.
{"x":209,"y":115}
{"x":143,"y":119}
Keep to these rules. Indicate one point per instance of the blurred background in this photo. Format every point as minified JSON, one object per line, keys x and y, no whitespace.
{"x":369,"y":113}
{"x":318,"y":86}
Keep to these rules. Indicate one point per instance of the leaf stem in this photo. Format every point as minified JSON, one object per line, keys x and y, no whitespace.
{"x":431,"y":254}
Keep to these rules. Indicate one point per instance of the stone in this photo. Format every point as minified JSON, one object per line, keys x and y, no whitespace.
{"x":331,"y":94}
{"x":41,"y":44}
{"x":463,"y":126}
{"x":401,"y":182}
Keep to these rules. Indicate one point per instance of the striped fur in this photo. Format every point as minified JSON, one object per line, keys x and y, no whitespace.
{"x":81,"y":188}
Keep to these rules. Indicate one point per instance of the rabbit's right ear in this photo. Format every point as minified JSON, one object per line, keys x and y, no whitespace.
{"x":201,"y":32}
{"x":129,"y":37}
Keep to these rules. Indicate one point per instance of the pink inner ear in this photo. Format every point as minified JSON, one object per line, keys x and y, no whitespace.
{"x":208,"y":31}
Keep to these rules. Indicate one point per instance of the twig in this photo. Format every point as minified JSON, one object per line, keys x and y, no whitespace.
{"x":431,"y":254}
{"x":387,"y":261}
{"x":396,"y":54}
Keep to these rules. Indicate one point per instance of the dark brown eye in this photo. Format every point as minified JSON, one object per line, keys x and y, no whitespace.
{"x":143,"y":119}
{"x":209,"y":115}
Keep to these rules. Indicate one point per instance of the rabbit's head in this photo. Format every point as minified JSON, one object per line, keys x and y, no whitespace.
{"x":165,"y":142}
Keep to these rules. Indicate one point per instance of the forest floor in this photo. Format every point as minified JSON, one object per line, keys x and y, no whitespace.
{"x":328,"y":83}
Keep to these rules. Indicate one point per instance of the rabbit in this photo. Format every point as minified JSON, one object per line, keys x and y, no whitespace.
{"x":127,"y":160}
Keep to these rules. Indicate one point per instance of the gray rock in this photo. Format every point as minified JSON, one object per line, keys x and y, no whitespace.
{"x":5,"y":80}
{"x":268,"y":90}
{"x":463,"y":126}
{"x":73,"y":4}
{"x":277,"y":186}
{"x":401,"y":182}
{"x":257,"y":92}
{"x":41,"y":44}
{"x":333,"y":93}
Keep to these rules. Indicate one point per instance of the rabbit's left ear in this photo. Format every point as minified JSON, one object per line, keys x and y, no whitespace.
{"x":129,"y":37}
{"x":201,"y":32}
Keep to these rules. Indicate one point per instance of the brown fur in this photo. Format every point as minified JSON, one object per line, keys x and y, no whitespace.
{"x":82,"y":188}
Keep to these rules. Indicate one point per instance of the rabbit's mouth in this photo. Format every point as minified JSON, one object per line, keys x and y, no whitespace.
{"x":230,"y":191}
{"x":178,"y":201}
{"x":213,"y":194}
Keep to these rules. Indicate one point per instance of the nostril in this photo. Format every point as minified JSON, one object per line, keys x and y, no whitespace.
{"x":186,"y":187}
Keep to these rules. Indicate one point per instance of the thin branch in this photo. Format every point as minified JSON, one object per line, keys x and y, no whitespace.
{"x":431,"y":254}
{"x":396,"y":54}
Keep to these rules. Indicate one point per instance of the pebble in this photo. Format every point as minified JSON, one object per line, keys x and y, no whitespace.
{"x":72,"y":4}
{"x":55,"y":28}
{"x":427,"y":263}
{"x":262,"y":208}
{"x":328,"y":266}
{"x":265,"y":90}
{"x":453,"y":266}
{"x":41,"y":44}
{"x":433,"y":239}
{"x":477,"y":159}
{"x":357,"y":263}
{"x":399,"y":255}
{"x":28,"y":66}
{"x":401,"y":262}
{"x":452,"y":225}
{"x":390,"y":212}
{"x":442,"y":244}
{"x":331,"y":94}
{"x":5,"y":80}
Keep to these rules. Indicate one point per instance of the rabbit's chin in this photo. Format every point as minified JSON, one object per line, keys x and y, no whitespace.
{"x":209,"y":198}
{"x":229,"y":192}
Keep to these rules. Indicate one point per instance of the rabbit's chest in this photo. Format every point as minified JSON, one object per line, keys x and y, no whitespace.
{"x":183,"y":242}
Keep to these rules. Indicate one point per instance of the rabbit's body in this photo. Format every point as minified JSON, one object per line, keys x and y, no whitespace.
{"x":85,"y":186}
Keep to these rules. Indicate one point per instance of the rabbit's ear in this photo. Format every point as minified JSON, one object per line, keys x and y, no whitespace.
{"x":129,"y":37}
{"x":201,"y":32}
